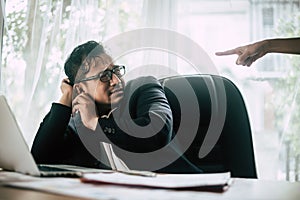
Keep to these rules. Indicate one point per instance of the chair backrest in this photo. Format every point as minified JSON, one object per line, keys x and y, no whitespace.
{"x":209,"y":111}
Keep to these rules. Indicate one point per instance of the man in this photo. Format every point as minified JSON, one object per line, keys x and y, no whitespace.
{"x":97,"y":112}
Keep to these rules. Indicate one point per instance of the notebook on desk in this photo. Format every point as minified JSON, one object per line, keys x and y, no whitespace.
{"x":16,"y":156}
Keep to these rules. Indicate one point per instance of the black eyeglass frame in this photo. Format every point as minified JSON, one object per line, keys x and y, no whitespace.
{"x":108,"y":75}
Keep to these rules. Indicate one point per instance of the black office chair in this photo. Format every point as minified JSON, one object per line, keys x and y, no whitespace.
{"x":206,"y":107}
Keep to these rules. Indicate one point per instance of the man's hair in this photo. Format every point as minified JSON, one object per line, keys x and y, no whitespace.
{"x":79,"y":55}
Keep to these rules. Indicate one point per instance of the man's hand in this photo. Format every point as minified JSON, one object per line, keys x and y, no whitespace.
{"x":84,"y":104}
{"x":66,"y":89}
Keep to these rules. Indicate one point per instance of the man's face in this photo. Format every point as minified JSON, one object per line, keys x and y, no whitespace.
{"x":109,"y":92}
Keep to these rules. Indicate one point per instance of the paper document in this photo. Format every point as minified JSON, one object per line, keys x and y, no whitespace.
{"x":168,"y":181}
{"x":75,"y":188}
{"x":115,"y":162}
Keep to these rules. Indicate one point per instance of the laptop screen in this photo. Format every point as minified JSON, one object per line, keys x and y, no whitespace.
{"x":14,"y":152}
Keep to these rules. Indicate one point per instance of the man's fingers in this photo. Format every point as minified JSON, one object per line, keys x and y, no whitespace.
{"x":82,"y":99}
{"x":67,"y":81}
{"x":78,"y":89}
{"x":75,"y":109}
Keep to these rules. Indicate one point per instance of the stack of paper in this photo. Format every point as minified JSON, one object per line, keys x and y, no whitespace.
{"x":216,"y":181}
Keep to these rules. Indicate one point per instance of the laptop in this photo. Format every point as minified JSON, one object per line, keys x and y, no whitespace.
{"x":16,"y":156}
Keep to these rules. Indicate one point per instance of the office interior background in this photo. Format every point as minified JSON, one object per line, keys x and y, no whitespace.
{"x":37,"y":36}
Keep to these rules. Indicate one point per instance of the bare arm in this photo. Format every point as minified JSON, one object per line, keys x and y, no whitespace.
{"x":289,"y":45}
{"x":250,"y":53}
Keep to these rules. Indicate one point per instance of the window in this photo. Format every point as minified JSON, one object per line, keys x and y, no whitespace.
{"x":268,"y":17}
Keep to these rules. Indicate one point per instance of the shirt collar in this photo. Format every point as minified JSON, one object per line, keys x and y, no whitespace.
{"x":108,"y":115}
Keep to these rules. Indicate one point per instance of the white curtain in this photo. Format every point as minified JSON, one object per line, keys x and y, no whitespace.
{"x":39,"y":35}
{"x":163,"y":15}
{"x":2,"y":17}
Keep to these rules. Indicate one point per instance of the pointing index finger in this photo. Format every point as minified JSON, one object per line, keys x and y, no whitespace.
{"x":228,"y":52}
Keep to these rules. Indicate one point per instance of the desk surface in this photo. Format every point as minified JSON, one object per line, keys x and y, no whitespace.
{"x":246,"y":189}
{"x":7,"y":193}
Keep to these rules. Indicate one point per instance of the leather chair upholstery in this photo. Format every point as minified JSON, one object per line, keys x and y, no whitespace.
{"x":220,"y":116}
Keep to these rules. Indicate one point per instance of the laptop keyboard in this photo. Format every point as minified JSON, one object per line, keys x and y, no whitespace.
{"x":51,"y":169}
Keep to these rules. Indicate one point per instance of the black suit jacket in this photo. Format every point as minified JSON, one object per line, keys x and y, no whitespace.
{"x":141,"y":124}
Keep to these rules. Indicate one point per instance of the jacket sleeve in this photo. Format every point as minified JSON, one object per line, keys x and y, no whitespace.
{"x":146,"y":121}
{"x":49,"y":144}
{"x":142,"y":123}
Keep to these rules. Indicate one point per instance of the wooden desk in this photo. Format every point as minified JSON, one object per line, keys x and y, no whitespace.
{"x":7,"y":193}
{"x":246,"y":189}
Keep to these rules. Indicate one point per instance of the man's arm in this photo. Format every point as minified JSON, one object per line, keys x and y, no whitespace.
{"x":148,"y":122}
{"x":142,"y":123}
{"x":49,"y":143}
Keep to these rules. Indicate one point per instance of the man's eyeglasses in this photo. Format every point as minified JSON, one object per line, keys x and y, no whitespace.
{"x":107,"y":74}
